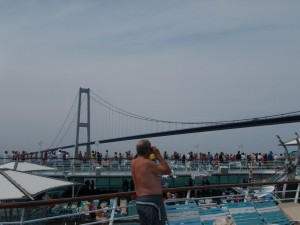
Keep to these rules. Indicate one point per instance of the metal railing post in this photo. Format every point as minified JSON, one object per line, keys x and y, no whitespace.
{"x":284,"y":190}
{"x":297,"y":194}
{"x":113,"y":209}
{"x":188,"y":194}
{"x":22,"y":216}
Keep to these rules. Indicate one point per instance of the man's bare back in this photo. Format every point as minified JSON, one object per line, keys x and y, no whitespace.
{"x":145,"y":173}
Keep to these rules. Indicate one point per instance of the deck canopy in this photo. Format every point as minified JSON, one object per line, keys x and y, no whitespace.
{"x":25,"y":167}
{"x":292,"y":142}
{"x":20,"y":185}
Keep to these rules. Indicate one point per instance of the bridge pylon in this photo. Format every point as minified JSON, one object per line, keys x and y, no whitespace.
{"x":85,"y":124}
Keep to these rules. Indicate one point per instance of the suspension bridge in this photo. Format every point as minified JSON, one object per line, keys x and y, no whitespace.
{"x":113,"y":124}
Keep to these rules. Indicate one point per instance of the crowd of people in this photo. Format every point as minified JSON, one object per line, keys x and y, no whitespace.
{"x":222,"y":157}
{"x":44,"y":157}
{"x":97,"y":156}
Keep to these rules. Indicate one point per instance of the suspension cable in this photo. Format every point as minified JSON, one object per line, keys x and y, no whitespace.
{"x":64,"y":121}
{"x":132,"y":115}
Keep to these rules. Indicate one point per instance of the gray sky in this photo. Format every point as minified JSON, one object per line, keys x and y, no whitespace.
{"x":169,"y":60}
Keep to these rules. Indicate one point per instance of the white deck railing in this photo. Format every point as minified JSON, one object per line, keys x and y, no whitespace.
{"x":43,"y":212}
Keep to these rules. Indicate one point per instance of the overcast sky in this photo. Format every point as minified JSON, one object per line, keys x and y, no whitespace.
{"x":169,"y":60}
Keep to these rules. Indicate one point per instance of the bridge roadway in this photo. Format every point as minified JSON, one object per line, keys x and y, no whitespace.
{"x":214,"y":126}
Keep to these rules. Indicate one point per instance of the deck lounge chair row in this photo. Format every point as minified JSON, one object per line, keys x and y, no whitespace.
{"x":239,"y":213}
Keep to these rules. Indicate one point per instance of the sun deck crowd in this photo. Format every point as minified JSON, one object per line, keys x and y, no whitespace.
{"x":96,"y":156}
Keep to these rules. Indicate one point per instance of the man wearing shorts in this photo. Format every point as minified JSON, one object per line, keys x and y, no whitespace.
{"x":145,"y":172}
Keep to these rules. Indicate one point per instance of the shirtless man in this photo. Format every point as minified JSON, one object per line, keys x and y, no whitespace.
{"x":145,"y":173}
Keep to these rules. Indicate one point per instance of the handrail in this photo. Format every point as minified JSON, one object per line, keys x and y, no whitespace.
{"x":126,"y":194}
{"x":91,"y":164}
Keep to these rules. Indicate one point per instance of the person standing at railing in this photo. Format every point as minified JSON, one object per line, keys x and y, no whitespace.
{"x":93,"y":156}
{"x":106,"y":155}
{"x":238,"y":156}
{"x":80,"y":157}
{"x":270,"y":156}
{"x":45,"y":158}
{"x":145,"y":172}
{"x":243,"y":159}
{"x":166,"y":157}
{"x":6,"y":157}
{"x":259,"y":159}
{"x":265,"y":159}
{"x":99,"y":158}
{"x":276,"y":161}
{"x":59,"y":155}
